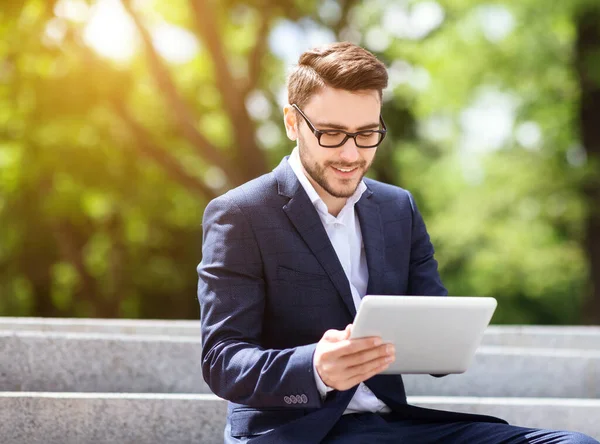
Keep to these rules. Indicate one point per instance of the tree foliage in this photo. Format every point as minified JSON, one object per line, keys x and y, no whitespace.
{"x":106,"y":166}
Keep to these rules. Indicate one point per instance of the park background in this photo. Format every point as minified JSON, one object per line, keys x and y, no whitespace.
{"x":120,"y":120}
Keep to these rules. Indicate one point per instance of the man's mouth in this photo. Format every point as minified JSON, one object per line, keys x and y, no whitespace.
{"x":345,"y":170}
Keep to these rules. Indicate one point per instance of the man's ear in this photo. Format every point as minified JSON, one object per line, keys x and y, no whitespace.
{"x":289,"y":119}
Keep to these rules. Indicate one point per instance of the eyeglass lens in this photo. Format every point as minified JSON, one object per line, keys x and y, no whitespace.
{"x":366,"y":139}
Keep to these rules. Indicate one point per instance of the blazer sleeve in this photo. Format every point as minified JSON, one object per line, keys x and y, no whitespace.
{"x":423,"y":279}
{"x":231,"y":292}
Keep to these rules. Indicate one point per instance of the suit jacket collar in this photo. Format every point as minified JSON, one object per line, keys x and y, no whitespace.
{"x":305,"y":218}
{"x":287,"y":182}
{"x":372,"y":232}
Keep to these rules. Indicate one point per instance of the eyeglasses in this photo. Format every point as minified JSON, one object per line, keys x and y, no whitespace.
{"x":335,"y":137}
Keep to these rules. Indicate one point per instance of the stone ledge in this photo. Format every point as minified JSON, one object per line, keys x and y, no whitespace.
{"x":518,"y":372}
{"x":543,"y":336}
{"x":92,"y":362}
{"x":86,"y":362}
{"x":75,"y":418}
{"x":96,"y":418}
{"x":521,"y":336}
{"x":580,"y":415}
{"x":114,"y":326}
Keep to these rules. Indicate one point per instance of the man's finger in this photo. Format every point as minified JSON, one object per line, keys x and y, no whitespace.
{"x":333,"y":335}
{"x":357,"y":379}
{"x":370,"y":354}
{"x":369,"y":366}
{"x":360,"y":344}
{"x":351,"y":346}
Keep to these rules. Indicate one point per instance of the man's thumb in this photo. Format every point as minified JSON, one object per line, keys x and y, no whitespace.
{"x":348,"y":331}
{"x":337,"y":335}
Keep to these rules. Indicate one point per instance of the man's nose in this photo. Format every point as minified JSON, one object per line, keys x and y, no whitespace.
{"x":349,"y":151}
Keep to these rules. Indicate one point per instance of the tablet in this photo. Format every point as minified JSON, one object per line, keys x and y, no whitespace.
{"x":431,"y":334}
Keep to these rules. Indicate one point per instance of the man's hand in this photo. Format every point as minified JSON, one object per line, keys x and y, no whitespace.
{"x":343,"y":363}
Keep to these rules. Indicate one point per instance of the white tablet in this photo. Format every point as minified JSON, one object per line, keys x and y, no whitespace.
{"x":431,"y":334}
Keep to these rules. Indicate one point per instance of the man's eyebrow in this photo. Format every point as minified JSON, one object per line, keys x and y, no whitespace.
{"x":330,"y":125}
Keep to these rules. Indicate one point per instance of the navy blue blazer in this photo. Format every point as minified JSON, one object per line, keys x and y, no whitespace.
{"x":270,"y":284}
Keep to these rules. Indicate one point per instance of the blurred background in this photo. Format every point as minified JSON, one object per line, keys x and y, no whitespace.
{"x":120,"y":120}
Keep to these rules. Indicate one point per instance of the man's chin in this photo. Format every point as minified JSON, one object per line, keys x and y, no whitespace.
{"x":343,"y":192}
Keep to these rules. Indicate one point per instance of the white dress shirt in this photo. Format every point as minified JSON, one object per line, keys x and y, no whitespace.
{"x":345,"y":236}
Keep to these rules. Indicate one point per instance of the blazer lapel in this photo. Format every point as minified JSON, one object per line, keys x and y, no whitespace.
{"x":372,"y":234}
{"x":305,"y":218}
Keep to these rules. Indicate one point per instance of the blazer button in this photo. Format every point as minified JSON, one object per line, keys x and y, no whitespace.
{"x":287,"y":399}
{"x":304,"y":399}
{"x":294,"y":399}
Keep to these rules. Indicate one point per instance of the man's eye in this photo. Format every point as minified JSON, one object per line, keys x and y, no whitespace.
{"x":333,"y":133}
{"x":366,"y":134}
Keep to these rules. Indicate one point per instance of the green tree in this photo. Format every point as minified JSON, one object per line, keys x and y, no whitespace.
{"x":106,"y":166}
{"x":514,"y":216}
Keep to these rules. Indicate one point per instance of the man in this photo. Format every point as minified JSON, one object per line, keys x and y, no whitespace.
{"x":287,"y":258}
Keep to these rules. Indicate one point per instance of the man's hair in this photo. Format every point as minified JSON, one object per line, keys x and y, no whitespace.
{"x":340,"y":65}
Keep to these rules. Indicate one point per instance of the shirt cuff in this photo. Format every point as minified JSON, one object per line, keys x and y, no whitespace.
{"x":321,"y":387}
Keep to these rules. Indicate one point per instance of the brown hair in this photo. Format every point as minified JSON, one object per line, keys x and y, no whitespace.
{"x":340,"y":65}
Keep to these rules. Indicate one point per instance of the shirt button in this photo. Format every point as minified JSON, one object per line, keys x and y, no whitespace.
{"x":365,"y":388}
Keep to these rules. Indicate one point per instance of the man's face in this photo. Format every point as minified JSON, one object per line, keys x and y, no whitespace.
{"x":337,"y":171}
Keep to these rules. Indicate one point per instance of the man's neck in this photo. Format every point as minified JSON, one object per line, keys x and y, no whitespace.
{"x":334,"y":208}
{"x":334,"y":204}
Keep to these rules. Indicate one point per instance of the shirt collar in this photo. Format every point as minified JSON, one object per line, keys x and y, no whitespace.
{"x":296,"y":165}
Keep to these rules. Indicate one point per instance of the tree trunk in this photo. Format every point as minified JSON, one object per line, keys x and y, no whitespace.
{"x":588,"y":71}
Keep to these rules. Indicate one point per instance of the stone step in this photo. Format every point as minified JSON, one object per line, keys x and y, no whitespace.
{"x":518,"y":372}
{"x":515,"y":336}
{"x":579,"y":415}
{"x":93,"y":418}
{"x":92,"y":362}
{"x":112,"y":326}
{"x":543,"y":336}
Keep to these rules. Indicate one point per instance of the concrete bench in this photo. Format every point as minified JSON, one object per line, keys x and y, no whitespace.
{"x":77,"y":418}
{"x":74,"y":418}
{"x":543,"y":337}
{"x":513,"y":336}
{"x":579,"y":415}
{"x":518,"y":372}
{"x":106,"y":381}
{"x":84,"y":362}
{"x":110,"y":326}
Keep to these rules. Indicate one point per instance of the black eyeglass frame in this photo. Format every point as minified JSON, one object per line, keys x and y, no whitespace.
{"x":319,"y":133}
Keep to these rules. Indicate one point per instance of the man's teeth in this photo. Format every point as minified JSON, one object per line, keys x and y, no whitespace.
{"x":345,"y":170}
